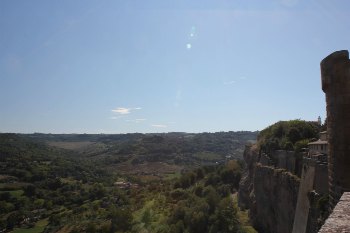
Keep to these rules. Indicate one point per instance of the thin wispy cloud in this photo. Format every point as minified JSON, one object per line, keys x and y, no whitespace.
{"x":159,"y":126}
{"x":114,"y":117}
{"x":229,"y":82}
{"x":136,"y":120}
{"x":124,"y":111}
{"x":234,"y":81}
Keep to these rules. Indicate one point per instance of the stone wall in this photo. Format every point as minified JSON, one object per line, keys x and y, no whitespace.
{"x":339,"y":220}
{"x":303,"y":204}
{"x":335,"y":74}
{"x":265,"y":160}
{"x":245,"y":191}
{"x":313,"y":187}
{"x":321,"y":178}
{"x":269,"y":193}
{"x":285,"y":159}
{"x":275,"y":197}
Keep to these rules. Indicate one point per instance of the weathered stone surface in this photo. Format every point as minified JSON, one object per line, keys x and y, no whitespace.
{"x":251,"y":157}
{"x":339,"y":220}
{"x":346,"y":197}
{"x":313,"y":187}
{"x":269,"y":193}
{"x":303,"y":204}
{"x":275,"y":198}
{"x":335,"y":75}
{"x":285,"y":159}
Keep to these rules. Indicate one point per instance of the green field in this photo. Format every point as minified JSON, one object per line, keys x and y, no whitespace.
{"x":38,"y":228}
{"x":171,"y":176}
{"x":14,"y":193}
{"x":209,"y":156}
{"x":243,"y":217}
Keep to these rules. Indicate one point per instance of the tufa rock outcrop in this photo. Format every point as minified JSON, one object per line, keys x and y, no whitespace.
{"x":269,"y":193}
{"x":276,"y":194}
{"x":251,"y":157}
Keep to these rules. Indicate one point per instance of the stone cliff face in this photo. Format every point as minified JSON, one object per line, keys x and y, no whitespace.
{"x":276,"y":195}
{"x":251,"y":157}
{"x":270,"y":194}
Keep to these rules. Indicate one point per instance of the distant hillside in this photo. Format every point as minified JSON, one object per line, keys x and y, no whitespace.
{"x":150,"y":153}
{"x":120,"y":183}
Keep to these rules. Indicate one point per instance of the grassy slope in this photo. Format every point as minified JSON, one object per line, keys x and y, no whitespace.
{"x":243,"y":217}
{"x":38,"y":228}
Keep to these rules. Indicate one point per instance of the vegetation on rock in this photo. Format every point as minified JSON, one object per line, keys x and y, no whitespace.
{"x":288,"y":135}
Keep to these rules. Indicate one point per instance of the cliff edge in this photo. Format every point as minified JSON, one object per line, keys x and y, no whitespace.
{"x":269,"y":193}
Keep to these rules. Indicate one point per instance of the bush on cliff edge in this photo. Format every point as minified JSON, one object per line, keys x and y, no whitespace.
{"x":287,"y":135}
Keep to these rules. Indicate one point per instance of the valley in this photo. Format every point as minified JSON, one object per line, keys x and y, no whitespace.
{"x":171,"y":182}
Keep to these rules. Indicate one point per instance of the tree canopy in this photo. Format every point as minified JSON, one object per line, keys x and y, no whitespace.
{"x":288,"y":135}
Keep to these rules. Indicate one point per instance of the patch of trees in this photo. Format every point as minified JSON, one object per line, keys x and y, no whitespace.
{"x":78,"y":194}
{"x":288,"y":135}
{"x":48,"y":182}
{"x":204,"y":202}
{"x":155,"y":147}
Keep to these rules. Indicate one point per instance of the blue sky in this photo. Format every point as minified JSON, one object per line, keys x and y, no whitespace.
{"x":162,"y":66}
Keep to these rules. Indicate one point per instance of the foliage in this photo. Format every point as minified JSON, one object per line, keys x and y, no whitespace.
{"x":45,"y":189}
{"x":173,"y":148}
{"x":207,"y":204}
{"x":38,"y":228}
{"x":287,"y":135}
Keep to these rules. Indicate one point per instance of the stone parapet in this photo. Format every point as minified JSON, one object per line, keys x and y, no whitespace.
{"x":339,"y":220}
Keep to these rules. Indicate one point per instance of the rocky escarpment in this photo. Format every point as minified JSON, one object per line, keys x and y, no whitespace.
{"x":275,"y":199}
{"x":269,"y":193}
{"x":245,"y":192}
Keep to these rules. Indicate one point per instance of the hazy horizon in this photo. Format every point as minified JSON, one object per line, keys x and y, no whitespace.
{"x":129,"y":132}
{"x":160,"y":66}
